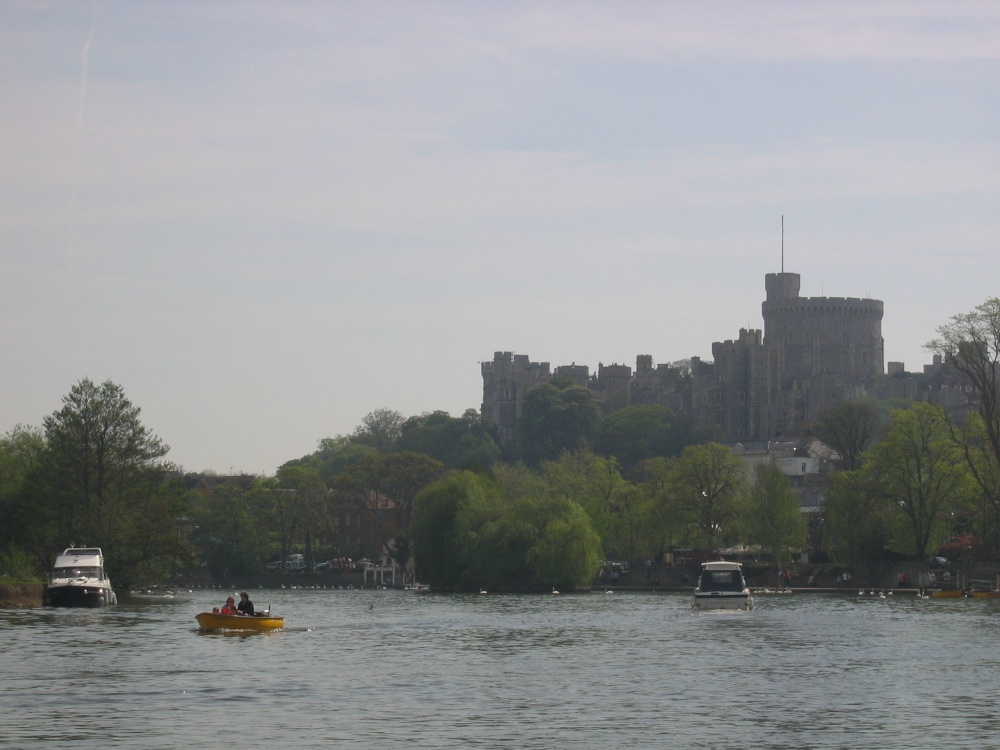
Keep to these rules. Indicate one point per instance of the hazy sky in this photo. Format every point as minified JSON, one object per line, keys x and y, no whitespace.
{"x":265,"y":220}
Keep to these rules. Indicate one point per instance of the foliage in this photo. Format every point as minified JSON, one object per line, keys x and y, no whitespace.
{"x":664,"y":519}
{"x":384,"y":487}
{"x":333,"y":456}
{"x":568,"y":553}
{"x":466,"y":535}
{"x":636,"y":433}
{"x":466,"y":442}
{"x":554,"y":420}
{"x":850,"y":429}
{"x":16,"y":565}
{"x":380,"y":429}
{"x":773,"y":518}
{"x":971,"y":344}
{"x":920,"y":473}
{"x":710,"y":481}
{"x":231,"y":525}
{"x":103,"y":485}
{"x":857,"y":523}
{"x":435,"y":527}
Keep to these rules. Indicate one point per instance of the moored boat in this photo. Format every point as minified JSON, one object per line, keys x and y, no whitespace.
{"x":259,"y":622}
{"x":722,"y":586}
{"x":78,"y":580}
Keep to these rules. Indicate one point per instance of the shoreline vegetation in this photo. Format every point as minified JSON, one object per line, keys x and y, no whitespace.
{"x":21,"y":595}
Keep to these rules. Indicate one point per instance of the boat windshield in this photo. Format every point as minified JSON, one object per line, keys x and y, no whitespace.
{"x":721,"y":580}
{"x":76,"y":573}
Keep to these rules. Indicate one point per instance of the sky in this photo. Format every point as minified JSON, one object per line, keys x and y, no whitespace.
{"x":265,"y":220}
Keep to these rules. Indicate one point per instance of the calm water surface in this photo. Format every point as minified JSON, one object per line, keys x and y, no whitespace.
{"x":582,"y":671}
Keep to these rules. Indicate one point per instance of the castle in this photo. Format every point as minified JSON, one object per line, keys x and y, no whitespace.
{"x":814,"y":353}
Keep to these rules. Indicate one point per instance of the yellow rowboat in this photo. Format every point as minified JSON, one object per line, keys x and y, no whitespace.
{"x":258,"y":623}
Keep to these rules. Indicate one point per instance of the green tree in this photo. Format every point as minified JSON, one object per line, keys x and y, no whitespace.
{"x":465,"y":442}
{"x":774,"y":520}
{"x":709,"y":480}
{"x":850,"y":429}
{"x":636,"y":433}
{"x":106,"y":483}
{"x":435,"y":531}
{"x":971,"y":344}
{"x":384,"y":487}
{"x":596,"y":484}
{"x":919,"y":472}
{"x":666,"y":521}
{"x":332,"y":456}
{"x":554,"y":420}
{"x":306,"y":494}
{"x":569,"y":551}
{"x":380,"y":429}
{"x":227,"y":532}
{"x":857,"y":522}
{"x":22,"y":516}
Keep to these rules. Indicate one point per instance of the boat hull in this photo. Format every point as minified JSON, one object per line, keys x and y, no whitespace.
{"x":254,"y":623}
{"x":79,"y":595}
{"x":721,"y":601}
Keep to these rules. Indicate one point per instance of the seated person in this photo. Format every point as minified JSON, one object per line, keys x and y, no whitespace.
{"x":245,"y":606}
{"x":229,"y":608}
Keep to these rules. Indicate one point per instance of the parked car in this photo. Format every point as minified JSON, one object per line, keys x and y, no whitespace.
{"x":937,"y":563}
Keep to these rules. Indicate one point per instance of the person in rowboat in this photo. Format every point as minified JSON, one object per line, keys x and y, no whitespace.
{"x":229,"y":608}
{"x":245,"y":607}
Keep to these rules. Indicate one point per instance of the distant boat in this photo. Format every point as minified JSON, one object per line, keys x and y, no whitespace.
{"x":78,"y":580}
{"x":722,"y":586}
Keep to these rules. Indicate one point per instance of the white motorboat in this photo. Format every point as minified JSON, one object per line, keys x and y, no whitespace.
{"x":722,"y":586}
{"x":78,"y":580}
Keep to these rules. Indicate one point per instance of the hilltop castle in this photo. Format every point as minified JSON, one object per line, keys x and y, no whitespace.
{"x":814,"y":353}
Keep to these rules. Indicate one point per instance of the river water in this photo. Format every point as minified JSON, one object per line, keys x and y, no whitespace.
{"x":397,"y":669}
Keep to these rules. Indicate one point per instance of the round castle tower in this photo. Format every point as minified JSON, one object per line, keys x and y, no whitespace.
{"x":839,"y":336}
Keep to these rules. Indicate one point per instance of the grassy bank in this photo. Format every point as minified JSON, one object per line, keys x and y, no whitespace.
{"x":20,"y":594}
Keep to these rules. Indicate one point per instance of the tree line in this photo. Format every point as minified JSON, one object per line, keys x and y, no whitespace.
{"x":578,"y":487}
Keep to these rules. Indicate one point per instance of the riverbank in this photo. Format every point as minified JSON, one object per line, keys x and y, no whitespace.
{"x":21,"y":595}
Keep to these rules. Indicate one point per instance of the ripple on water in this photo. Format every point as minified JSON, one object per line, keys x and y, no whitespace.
{"x":394,"y":669}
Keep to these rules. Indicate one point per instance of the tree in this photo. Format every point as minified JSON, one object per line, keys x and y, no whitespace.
{"x":228,"y":529}
{"x":710,"y":481}
{"x":596,"y":484}
{"x":332,"y":456}
{"x":857,"y":521}
{"x":380,"y":429}
{"x":666,"y":521}
{"x":307,"y":500}
{"x":465,"y":442}
{"x":636,"y":433}
{"x":774,"y":520}
{"x":971,"y":344}
{"x":554,"y":420}
{"x":850,"y":429}
{"x":918,"y":471}
{"x":569,"y":551}
{"x":22,"y":452}
{"x":384,"y":487}
{"x":437,"y":548}
{"x":106,"y":482}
